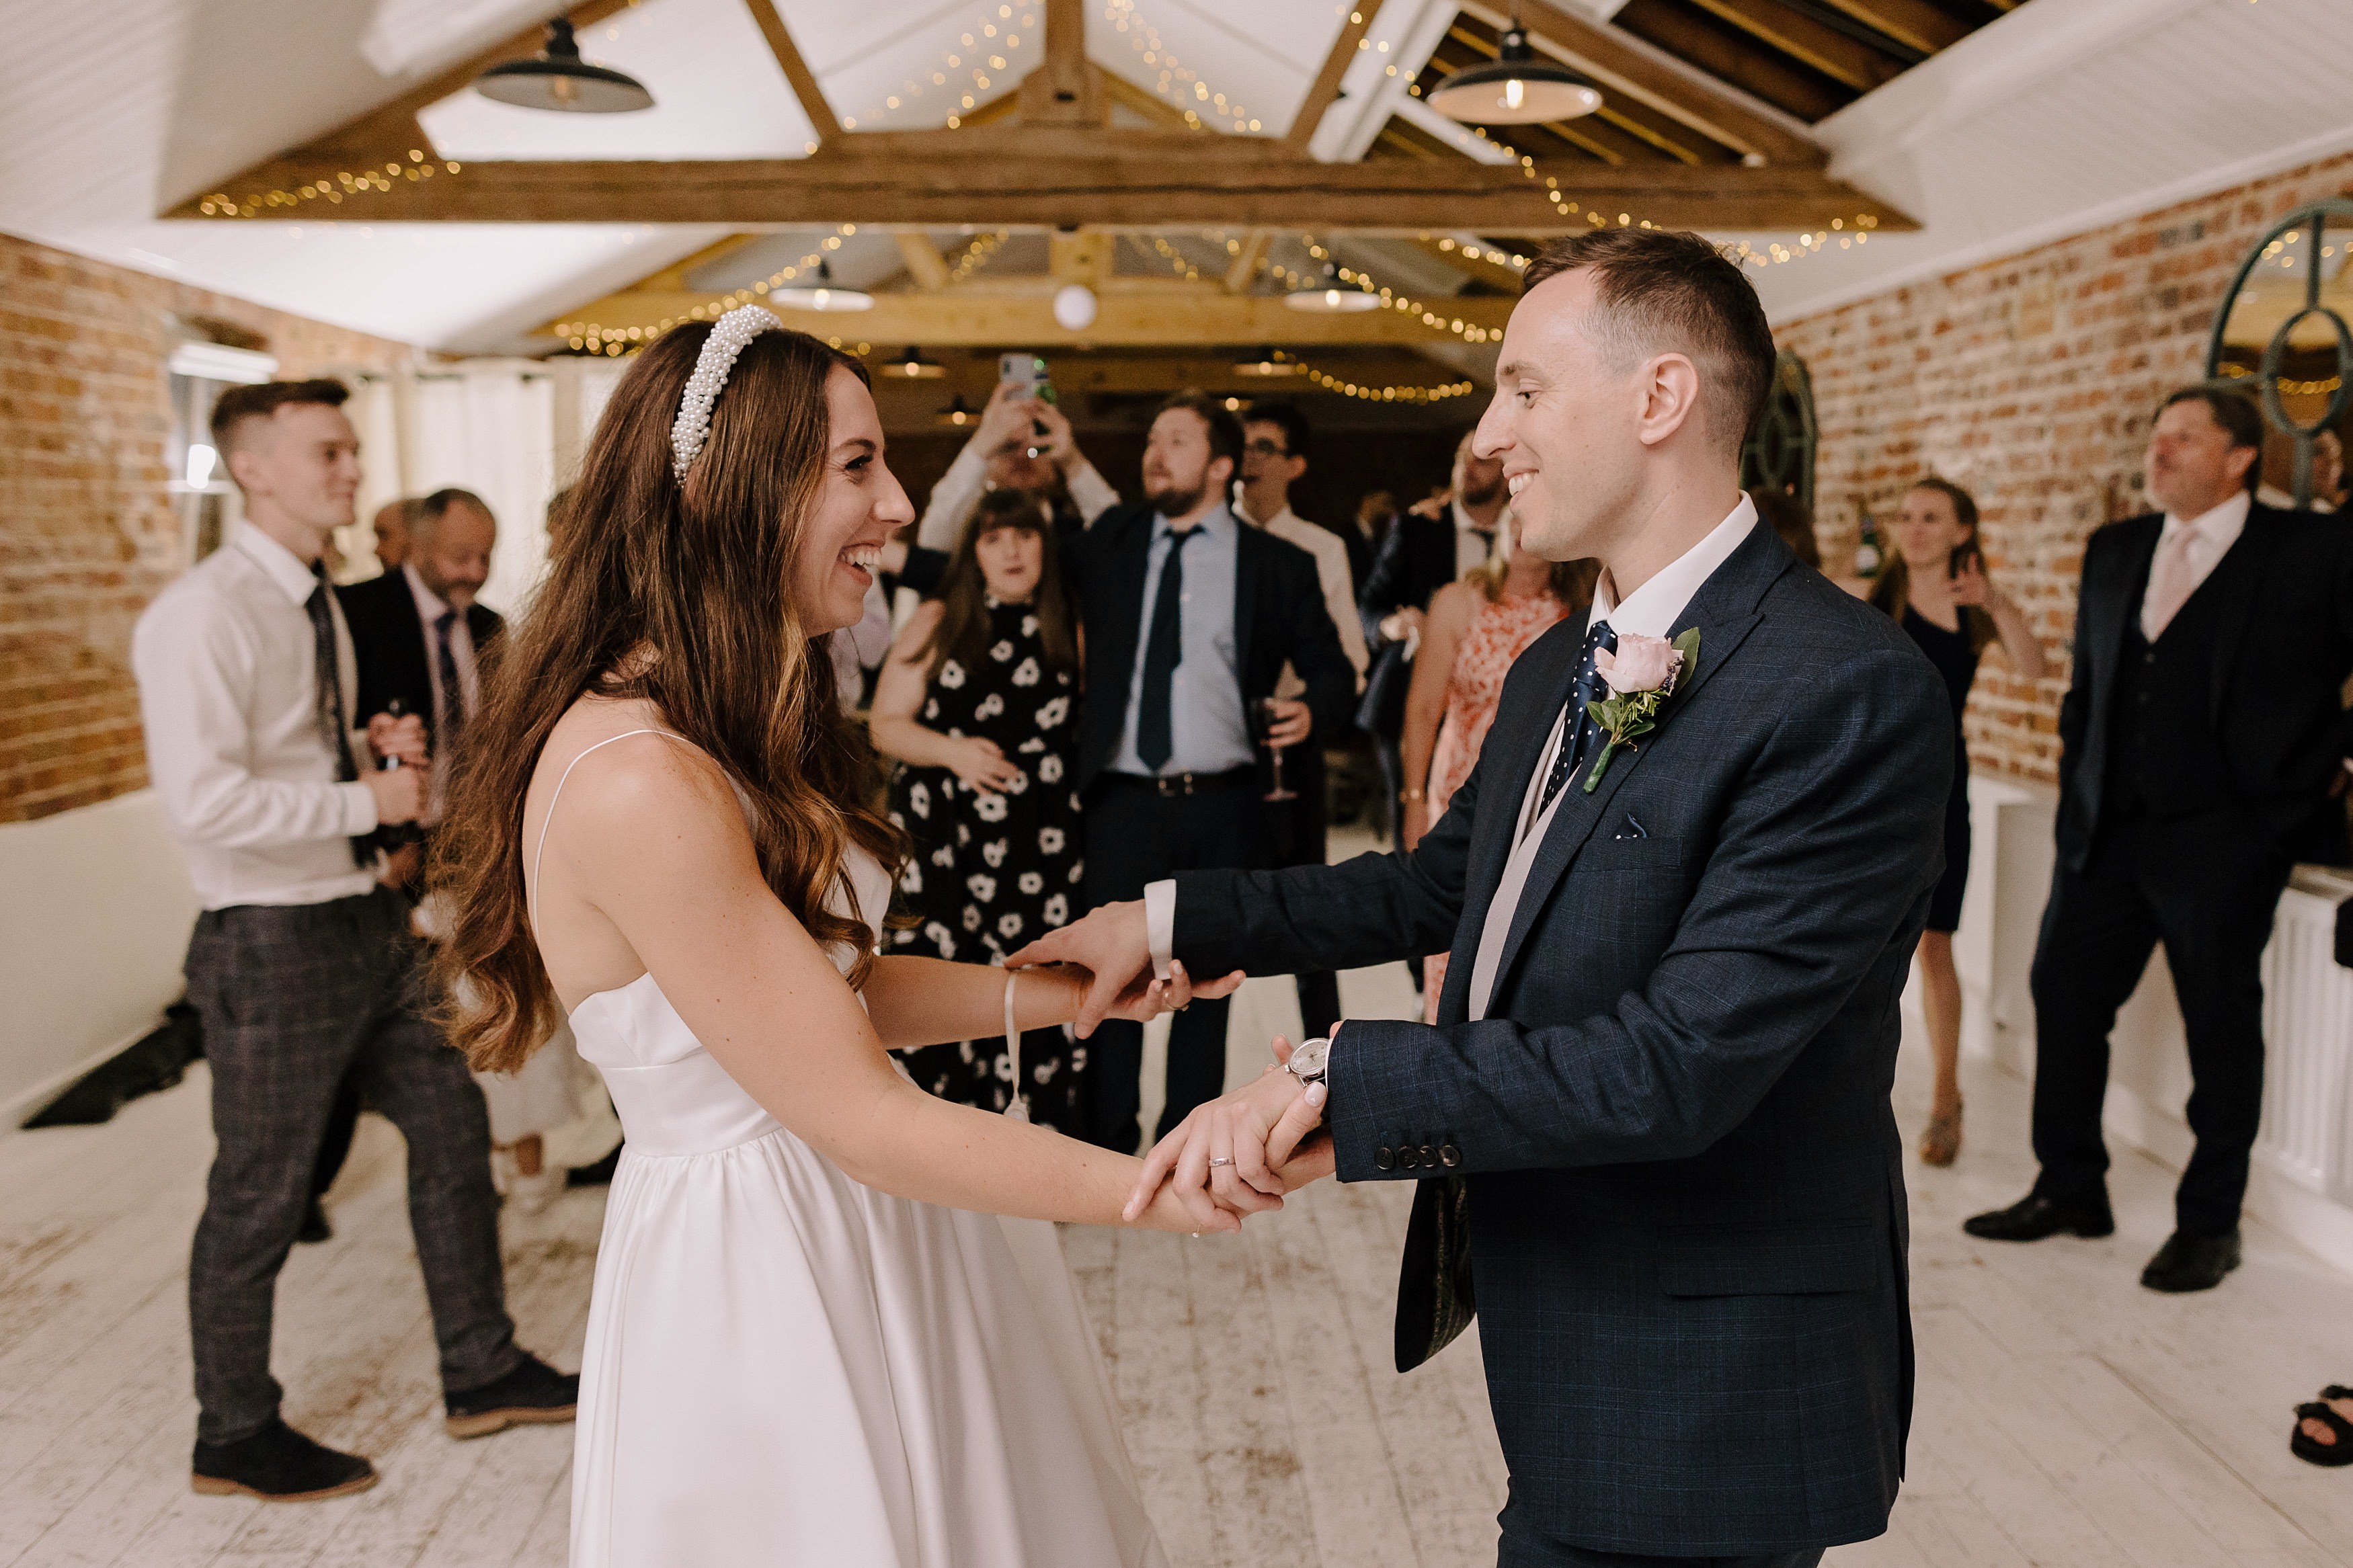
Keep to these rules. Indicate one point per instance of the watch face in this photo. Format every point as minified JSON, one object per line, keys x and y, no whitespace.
{"x":1307,"y":1061}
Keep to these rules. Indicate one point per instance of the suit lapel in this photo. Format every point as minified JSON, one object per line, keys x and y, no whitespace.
{"x":2241,"y":581}
{"x":2120,"y":608}
{"x":1724,"y":611}
{"x":1248,"y":569}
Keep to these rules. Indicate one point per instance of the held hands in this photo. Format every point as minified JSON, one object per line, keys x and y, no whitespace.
{"x":1114,"y":946}
{"x":1239,"y":1155}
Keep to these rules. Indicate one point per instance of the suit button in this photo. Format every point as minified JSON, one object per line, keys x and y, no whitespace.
{"x":1405,"y":1161}
{"x":1383,"y":1159}
{"x":2150,"y":657}
{"x":1428,"y":1158}
{"x":1449,"y":1155}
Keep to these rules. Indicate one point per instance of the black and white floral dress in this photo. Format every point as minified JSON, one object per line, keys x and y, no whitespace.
{"x":992,"y":872}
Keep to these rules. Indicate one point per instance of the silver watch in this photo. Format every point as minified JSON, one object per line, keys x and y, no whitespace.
{"x":1307,"y":1060}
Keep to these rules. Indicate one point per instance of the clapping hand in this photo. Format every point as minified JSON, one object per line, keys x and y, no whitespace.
{"x":1971,"y":586}
{"x":1242,"y":1153}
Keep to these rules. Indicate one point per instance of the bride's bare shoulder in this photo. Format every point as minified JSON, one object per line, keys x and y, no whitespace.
{"x":620,"y":761}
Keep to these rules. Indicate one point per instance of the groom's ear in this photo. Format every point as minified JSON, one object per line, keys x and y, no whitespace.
{"x":1670,"y":389}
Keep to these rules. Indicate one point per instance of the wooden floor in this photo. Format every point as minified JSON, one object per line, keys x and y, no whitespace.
{"x":2066,"y":1416}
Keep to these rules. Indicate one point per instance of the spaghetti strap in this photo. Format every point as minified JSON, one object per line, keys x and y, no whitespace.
{"x":538,"y":852}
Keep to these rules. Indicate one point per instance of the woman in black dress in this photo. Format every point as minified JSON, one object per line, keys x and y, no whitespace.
{"x":1938,"y":590}
{"x":978,"y":703}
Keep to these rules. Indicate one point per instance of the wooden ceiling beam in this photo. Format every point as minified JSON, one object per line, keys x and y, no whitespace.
{"x":955,"y":318}
{"x":925,"y":263}
{"x":1809,"y":42}
{"x":1066,"y":88}
{"x":804,"y":82}
{"x":1115,"y":372}
{"x":1730,"y":54}
{"x":1913,"y":22}
{"x":1057,"y":176}
{"x":1326,"y":89}
{"x":1607,"y":56}
{"x":1243,"y":273}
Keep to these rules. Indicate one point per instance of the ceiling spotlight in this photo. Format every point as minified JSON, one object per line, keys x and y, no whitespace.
{"x":958,"y":413}
{"x":822,"y":295}
{"x":912,"y":366}
{"x":1332,"y":299}
{"x":560,"y":79}
{"x":1270,"y":362}
{"x":1519,"y":86}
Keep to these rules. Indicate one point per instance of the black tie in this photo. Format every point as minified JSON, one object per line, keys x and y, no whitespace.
{"x":1164,"y":648}
{"x":1580,"y":728}
{"x":453,"y":694}
{"x":327,"y":700}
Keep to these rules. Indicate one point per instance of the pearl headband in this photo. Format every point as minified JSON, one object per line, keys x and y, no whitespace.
{"x":727,"y":339}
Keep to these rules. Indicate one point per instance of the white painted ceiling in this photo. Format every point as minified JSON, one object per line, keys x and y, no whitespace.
{"x":2062,"y":115}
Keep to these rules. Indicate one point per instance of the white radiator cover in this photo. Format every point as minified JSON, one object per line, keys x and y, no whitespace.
{"x":2303,"y":1178}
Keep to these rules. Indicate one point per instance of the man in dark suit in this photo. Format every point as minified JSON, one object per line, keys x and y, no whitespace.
{"x":1190,"y":617}
{"x":1416,"y":559}
{"x":2205,"y":741}
{"x":1657,"y":1091}
{"x":418,"y":628}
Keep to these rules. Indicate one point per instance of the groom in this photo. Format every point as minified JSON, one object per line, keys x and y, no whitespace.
{"x":1657,"y":1094}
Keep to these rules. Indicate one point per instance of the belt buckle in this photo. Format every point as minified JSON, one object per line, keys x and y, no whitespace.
{"x":1171,"y":785}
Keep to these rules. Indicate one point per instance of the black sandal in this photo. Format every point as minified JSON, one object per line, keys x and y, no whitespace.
{"x":2335,"y":1455}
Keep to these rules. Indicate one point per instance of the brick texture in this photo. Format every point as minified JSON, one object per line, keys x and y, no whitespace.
{"x":2032,"y":381}
{"x":87,"y":530}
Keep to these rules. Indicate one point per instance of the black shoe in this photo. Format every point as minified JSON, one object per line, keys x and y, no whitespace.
{"x":280,"y":1463}
{"x":2187,"y":1263}
{"x":2035,"y":1216}
{"x":315,"y":1227}
{"x":534,"y":1391}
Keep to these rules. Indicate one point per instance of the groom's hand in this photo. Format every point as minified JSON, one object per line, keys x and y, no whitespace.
{"x":1111,"y":943}
{"x":1242,"y":1151}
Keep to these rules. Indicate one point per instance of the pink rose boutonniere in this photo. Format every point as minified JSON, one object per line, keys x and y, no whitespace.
{"x":1641,"y":675}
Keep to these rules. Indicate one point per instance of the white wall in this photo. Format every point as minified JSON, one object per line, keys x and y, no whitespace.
{"x":95,"y":911}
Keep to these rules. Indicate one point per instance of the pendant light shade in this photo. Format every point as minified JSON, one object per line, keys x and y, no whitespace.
{"x":822,"y":295}
{"x":1333,"y":299}
{"x":958,"y":413}
{"x":560,"y":80}
{"x":1517,"y":88}
{"x":1270,"y":362}
{"x":912,"y":366}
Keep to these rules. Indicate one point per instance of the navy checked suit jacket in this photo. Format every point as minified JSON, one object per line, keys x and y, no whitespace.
{"x":1684,"y":1183}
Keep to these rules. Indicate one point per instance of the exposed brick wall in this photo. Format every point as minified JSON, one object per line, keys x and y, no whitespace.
{"x":2032,"y":381}
{"x":87,"y":532}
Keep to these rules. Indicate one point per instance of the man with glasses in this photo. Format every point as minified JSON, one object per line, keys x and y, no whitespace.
{"x":1274,"y":454}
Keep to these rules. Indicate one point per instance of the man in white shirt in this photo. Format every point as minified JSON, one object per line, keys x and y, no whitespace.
{"x":1274,"y":456}
{"x":302,"y":965}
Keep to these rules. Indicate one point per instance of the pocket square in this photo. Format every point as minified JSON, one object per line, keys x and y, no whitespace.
{"x":1633,"y":829}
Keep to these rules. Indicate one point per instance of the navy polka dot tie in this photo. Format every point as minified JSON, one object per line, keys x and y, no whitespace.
{"x":1580,"y":728}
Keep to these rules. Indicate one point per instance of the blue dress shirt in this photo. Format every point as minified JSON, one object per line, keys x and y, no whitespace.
{"x":1208,"y":732}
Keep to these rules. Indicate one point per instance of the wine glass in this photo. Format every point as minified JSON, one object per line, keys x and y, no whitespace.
{"x":1264,"y":714}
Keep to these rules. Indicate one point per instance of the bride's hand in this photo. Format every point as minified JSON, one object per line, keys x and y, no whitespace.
{"x":1165,"y":1213}
{"x":1145,"y":998}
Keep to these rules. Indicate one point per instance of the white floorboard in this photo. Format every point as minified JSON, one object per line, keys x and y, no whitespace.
{"x":2066,"y":1417}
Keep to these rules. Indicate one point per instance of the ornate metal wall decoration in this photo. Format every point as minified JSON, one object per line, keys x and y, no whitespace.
{"x":2281,"y":330}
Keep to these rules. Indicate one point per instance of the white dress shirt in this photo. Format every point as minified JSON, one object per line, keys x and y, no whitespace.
{"x":226,"y":664}
{"x":1474,"y":544}
{"x":1332,"y":576}
{"x":2211,"y":534}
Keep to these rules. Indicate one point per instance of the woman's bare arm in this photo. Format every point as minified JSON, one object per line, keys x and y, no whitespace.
{"x":652,"y":840}
{"x":899,"y":695}
{"x":1424,"y":700}
{"x":916,"y":1001}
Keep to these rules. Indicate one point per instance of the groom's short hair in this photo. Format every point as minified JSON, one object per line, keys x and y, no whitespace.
{"x":1663,"y":290}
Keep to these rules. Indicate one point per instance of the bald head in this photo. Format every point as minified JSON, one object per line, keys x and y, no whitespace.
{"x":450,"y":539}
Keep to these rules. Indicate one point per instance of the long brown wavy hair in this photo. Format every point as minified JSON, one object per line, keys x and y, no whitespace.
{"x":1892,"y":591}
{"x":963,"y":632}
{"x":678,"y":593}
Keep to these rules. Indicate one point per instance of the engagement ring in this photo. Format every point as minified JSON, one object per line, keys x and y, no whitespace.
{"x":1219,"y":1161}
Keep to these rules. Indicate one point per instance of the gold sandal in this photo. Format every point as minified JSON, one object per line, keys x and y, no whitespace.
{"x":1941,"y":1144}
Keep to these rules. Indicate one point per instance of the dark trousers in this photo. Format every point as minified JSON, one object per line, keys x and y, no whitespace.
{"x":1309,"y":825}
{"x":1521,"y":1548}
{"x":2207,"y":887}
{"x":1136,"y":835}
{"x":295,"y":1000}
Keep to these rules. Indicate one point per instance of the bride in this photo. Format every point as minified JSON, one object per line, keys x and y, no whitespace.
{"x":810,"y":1343}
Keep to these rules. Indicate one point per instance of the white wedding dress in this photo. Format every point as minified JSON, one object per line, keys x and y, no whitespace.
{"x":785,"y":1368}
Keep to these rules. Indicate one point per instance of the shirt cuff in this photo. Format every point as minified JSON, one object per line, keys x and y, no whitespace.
{"x":359,"y":808}
{"x":1160,"y":924}
{"x":1090,"y":491}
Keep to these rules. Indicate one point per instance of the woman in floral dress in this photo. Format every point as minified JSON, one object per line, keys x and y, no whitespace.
{"x":1473,"y":631}
{"x":977,"y":704}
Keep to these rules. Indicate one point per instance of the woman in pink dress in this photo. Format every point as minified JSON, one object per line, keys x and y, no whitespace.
{"x":1473,"y":631}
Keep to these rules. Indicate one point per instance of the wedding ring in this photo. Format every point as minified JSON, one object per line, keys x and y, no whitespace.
{"x":1220,"y":1160}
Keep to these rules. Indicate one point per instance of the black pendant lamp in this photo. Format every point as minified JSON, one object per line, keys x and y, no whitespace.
{"x":1519,"y":86}
{"x":558,"y":79}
